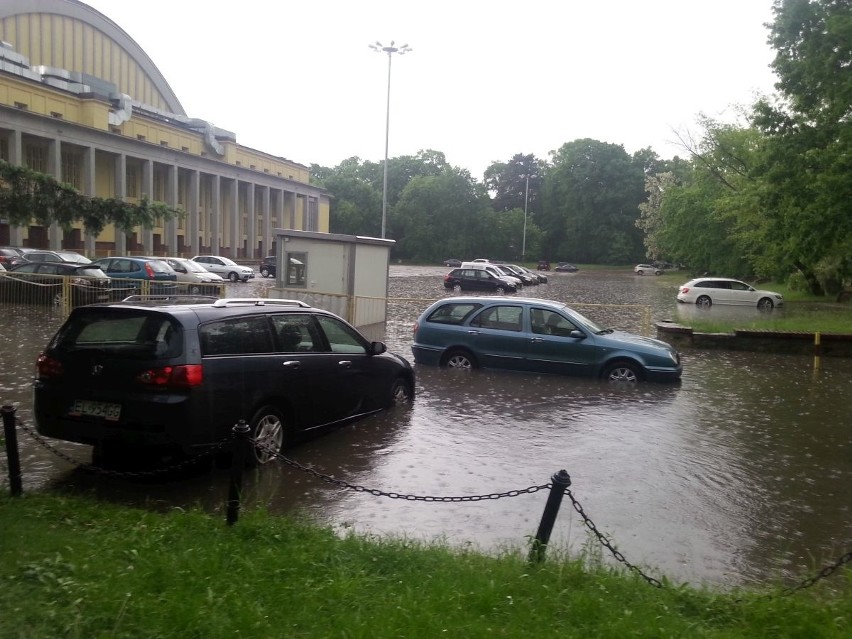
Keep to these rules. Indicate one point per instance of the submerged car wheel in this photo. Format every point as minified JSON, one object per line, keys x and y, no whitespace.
{"x":459,"y":358}
{"x":269,"y":430}
{"x":233,"y":277}
{"x":623,"y":372}
{"x":264,"y":272}
{"x":765,"y":304}
{"x":704,"y":302}
{"x":401,"y":392}
{"x":457,"y":288}
{"x":195,"y":289}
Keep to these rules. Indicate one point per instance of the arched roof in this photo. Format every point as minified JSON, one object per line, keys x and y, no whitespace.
{"x":84,"y":40}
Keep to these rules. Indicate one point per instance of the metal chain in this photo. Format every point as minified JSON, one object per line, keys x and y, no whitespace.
{"x":606,"y":542}
{"x":822,"y":574}
{"x":392,"y":495}
{"x":122,"y":474}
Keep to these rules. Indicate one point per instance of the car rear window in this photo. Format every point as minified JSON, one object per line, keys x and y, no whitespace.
{"x":453,"y":313}
{"x":138,"y":335}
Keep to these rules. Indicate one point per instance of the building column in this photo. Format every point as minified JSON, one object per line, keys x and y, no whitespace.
{"x":281,"y":223}
{"x":54,"y":169}
{"x":295,"y":202}
{"x":216,"y":215}
{"x":148,"y":193}
{"x":16,"y":149}
{"x":192,"y":211}
{"x":236,"y":215}
{"x":266,"y":240}
{"x":251,"y":222}
{"x":89,"y":169}
{"x":172,"y":201}
{"x":120,"y":193}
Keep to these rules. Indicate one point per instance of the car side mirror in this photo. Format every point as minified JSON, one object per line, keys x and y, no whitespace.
{"x":577,"y":334}
{"x":377,"y":348}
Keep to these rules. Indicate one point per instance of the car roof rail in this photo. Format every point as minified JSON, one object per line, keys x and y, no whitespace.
{"x":171,"y":299}
{"x":258,"y":301}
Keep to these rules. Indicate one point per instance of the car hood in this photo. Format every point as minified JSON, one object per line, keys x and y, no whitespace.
{"x":620,"y":337}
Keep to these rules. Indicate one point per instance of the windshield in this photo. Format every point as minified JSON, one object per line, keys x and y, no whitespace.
{"x":193,"y":267}
{"x":227,"y":261}
{"x":581,"y":319}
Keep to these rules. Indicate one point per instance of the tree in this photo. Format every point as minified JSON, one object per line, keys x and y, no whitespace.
{"x":806,"y":163}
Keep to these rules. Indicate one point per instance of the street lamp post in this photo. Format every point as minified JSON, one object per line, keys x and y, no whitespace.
{"x":526,"y":202}
{"x":379,"y":48}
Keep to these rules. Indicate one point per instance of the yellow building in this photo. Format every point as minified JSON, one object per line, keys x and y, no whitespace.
{"x":82,"y":102}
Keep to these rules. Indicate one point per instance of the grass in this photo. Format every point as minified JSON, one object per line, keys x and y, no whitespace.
{"x":76,"y":567}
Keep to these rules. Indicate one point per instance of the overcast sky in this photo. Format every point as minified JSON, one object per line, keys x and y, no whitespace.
{"x":486,"y":79}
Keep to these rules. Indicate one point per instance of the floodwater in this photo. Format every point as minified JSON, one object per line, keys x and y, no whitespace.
{"x":739,"y":474}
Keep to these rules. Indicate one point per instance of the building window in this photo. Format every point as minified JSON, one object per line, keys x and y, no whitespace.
{"x":312,"y":218}
{"x":297,"y":269}
{"x":35,"y":158}
{"x":72,"y":170}
{"x":132,"y":180}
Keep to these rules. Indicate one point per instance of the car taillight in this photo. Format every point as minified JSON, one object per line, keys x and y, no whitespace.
{"x":416,"y":326}
{"x":175,"y":376}
{"x":48,"y":367}
{"x":150,"y":271}
{"x":684,"y":289}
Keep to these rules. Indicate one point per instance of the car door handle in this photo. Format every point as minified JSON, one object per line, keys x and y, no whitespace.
{"x":536,"y":339}
{"x":345,"y":363}
{"x":473,"y":332}
{"x":293,"y":363}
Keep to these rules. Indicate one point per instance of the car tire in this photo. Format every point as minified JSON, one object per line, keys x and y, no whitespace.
{"x":195,"y":289}
{"x":658,"y":272}
{"x":501,"y":290}
{"x":457,"y":289}
{"x":765,"y":304}
{"x":269,"y":428}
{"x":459,"y":358}
{"x":401,"y":393}
{"x":264,"y":272}
{"x":233,"y":277}
{"x":704,"y":301}
{"x":640,"y":272}
{"x":623,"y":372}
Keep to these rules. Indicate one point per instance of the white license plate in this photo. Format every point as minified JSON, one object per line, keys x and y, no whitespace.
{"x":108,"y":411}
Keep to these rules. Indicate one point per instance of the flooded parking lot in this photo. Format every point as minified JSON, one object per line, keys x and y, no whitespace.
{"x":739,"y":473}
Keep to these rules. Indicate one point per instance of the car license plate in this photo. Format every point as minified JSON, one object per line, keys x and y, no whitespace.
{"x":110,"y":412}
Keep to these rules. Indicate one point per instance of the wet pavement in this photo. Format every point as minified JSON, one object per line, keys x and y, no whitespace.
{"x":740,"y":473}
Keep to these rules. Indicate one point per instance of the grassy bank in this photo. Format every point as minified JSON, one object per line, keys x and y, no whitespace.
{"x":75,"y":567}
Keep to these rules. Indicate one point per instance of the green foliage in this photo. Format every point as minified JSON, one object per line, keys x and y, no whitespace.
{"x":27,"y":196}
{"x":77,"y":567}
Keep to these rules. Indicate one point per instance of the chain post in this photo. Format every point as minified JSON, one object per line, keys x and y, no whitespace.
{"x":560,"y":481}
{"x":241,"y":432}
{"x":12,"y":454}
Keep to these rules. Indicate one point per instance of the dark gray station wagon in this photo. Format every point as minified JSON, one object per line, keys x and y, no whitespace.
{"x":156,"y":374}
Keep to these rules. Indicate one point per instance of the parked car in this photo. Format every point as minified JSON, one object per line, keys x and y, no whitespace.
{"x":536,"y":336}
{"x":543,"y":265}
{"x":541,"y":277}
{"x":225,"y":267}
{"x":193,"y":278}
{"x":44,"y":283}
{"x":129,"y":272}
{"x":565,"y":267}
{"x":473,"y":279}
{"x":706,"y":291}
{"x":452,"y":263}
{"x":56,"y":256}
{"x":641,"y":269}
{"x":12,"y":255}
{"x":143,"y":374}
{"x":495,"y":270}
{"x":269,"y":266}
{"x":510,"y":270}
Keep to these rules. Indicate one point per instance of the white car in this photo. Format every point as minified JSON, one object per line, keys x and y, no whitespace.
{"x":706,"y":291}
{"x":641,"y":269}
{"x":225,"y":267}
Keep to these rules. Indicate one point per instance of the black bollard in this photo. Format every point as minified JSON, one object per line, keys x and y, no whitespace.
{"x":12,"y":455}
{"x":560,"y":481}
{"x":241,"y":443}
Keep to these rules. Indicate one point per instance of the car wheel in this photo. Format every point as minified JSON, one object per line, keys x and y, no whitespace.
{"x":57,"y":299}
{"x":460,"y":358}
{"x":704,"y":302}
{"x":269,"y":430}
{"x":195,"y":290}
{"x":401,"y":392}
{"x":623,"y":372}
{"x":765,"y":304}
{"x":640,"y":272}
{"x":658,"y":272}
{"x":264,"y":272}
{"x":457,"y":288}
{"x":501,"y":290}
{"x":233,"y":277}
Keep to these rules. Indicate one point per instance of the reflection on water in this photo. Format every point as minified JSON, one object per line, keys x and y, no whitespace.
{"x":739,"y":473}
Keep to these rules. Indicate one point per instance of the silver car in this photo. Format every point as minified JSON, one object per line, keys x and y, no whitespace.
{"x":225,"y":267}
{"x":196,"y":279}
